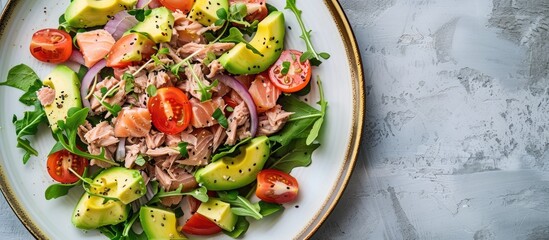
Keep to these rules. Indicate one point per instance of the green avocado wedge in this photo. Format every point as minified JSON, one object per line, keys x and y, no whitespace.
{"x":229,"y":173}
{"x":66,"y":84}
{"x":268,"y":40}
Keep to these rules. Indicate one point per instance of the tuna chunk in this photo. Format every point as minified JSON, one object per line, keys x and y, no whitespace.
{"x":238,"y":117}
{"x":203,"y":111}
{"x":46,"y":96}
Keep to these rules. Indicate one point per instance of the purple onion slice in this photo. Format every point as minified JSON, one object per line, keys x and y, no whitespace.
{"x":120,"y":23}
{"x":239,"y":88}
{"x":88,"y":79}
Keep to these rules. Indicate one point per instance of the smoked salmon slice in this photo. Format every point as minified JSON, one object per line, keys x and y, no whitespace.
{"x":203,"y":111}
{"x":132,"y":122}
{"x":94,"y":45}
{"x":264,"y":93}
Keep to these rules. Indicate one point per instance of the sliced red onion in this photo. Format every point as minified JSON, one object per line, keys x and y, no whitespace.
{"x":141,"y":3}
{"x":88,"y":79}
{"x":120,"y":23}
{"x":77,"y":57}
{"x":239,"y":88}
{"x":121,"y":150}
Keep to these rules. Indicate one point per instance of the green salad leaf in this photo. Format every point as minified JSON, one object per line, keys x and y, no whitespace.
{"x":310,"y":54}
{"x":68,"y":133}
{"x":240,"y":228}
{"x":200,"y":193}
{"x":229,"y":150}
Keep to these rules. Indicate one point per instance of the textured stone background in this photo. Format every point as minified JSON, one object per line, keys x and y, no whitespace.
{"x":456,"y":142}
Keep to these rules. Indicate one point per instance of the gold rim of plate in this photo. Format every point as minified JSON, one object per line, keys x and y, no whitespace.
{"x":357,"y":75}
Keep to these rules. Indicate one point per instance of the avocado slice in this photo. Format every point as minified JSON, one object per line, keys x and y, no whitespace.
{"x":90,"y":13}
{"x":205,"y":11}
{"x":119,"y":182}
{"x":158,"y":25}
{"x":66,"y":84}
{"x":234,"y":172}
{"x":268,"y":40}
{"x":218,"y":212}
{"x":159,"y":223}
{"x":93,"y":212}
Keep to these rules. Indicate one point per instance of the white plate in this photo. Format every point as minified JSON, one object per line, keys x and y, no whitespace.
{"x":321,"y":184}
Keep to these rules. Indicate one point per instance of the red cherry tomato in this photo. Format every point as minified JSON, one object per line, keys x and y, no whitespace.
{"x":200,"y":225}
{"x":289,"y":74}
{"x":182,"y":5}
{"x":59,"y":163}
{"x":170,"y":110}
{"x":275,"y":186}
{"x":124,"y":52}
{"x":51,"y":45}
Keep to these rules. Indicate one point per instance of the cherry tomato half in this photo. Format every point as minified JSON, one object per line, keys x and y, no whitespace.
{"x":200,"y":225}
{"x":59,"y":163}
{"x":170,"y":110}
{"x":51,"y":45}
{"x":289,"y":74}
{"x":183,"y":5}
{"x":275,"y":186}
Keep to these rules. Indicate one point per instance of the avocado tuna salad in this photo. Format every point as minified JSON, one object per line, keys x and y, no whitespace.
{"x":185,"y":116}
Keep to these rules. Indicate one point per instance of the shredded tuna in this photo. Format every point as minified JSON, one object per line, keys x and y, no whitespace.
{"x":272,"y":120}
{"x":188,"y":30}
{"x":238,"y":117}
{"x":188,"y":138}
{"x":132,"y":151}
{"x":219,"y":135}
{"x":82,"y":130}
{"x":155,"y":139}
{"x":171,"y":180}
{"x":162,"y":151}
{"x":101,"y":135}
{"x":199,"y":154}
{"x":202,"y":50}
{"x":172,"y":140}
{"x":192,"y":83}
{"x":117,"y":99}
{"x":159,"y":79}
{"x":215,"y":68}
{"x":46,"y":96}
{"x":96,"y":150}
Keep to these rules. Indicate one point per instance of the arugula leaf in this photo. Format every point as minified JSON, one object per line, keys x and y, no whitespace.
{"x":56,"y":148}
{"x":299,"y":123}
{"x":310,"y":54}
{"x":140,"y":14}
{"x":27,"y":126}
{"x":151,"y":90}
{"x":240,"y":228}
{"x":318,"y":123}
{"x":82,"y":72}
{"x":59,"y":189}
{"x":68,"y":132}
{"x":296,"y":154}
{"x":183,"y":149}
{"x":129,"y":84}
{"x":140,"y":160}
{"x":205,"y":93}
{"x":114,"y":109}
{"x":285,"y":67}
{"x":235,"y":36}
{"x":229,"y":150}
{"x":200,"y":193}
{"x":29,"y":98}
{"x":210,"y":57}
{"x":21,"y":77}
{"x":240,"y":205}
{"x":220,"y":117}
{"x":267,"y":209}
